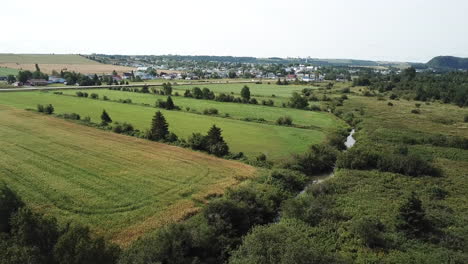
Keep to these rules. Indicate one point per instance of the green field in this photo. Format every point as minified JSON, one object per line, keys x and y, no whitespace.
{"x":317,"y":120}
{"x":7,"y":71}
{"x":251,"y":138}
{"x":373,"y":193}
{"x":44,"y":59}
{"x":263,"y":90}
{"x":120,"y":186}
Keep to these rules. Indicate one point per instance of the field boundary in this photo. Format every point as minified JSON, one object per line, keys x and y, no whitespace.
{"x":30,"y":88}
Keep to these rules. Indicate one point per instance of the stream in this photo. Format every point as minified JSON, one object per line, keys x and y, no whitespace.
{"x":319,"y":178}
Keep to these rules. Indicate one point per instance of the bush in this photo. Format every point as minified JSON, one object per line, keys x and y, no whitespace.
{"x":210,"y":111}
{"x":415,"y":111}
{"x":319,"y":158}
{"x":369,"y":230}
{"x":40,"y":108}
{"x":94,"y":96}
{"x":49,"y":109}
{"x":284,"y":242}
{"x":284,"y":121}
{"x":390,"y":104}
{"x":465,"y":119}
{"x":105,"y":98}
{"x":197,"y":141}
{"x":72,"y":116}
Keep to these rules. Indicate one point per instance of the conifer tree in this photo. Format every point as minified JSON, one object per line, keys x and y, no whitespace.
{"x":159,"y":127}
{"x":105,"y":118}
{"x":411,"y":218}
{"x":169,"y":103}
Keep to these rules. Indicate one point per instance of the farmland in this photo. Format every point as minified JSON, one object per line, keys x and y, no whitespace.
{"x":118,"y":185}
{"x":252,"y":138}
{"x":319,"y":120}
{"x":50,"y":62}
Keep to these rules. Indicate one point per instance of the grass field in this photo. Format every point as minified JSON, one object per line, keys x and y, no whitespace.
{"x":120,"y":186}
{"x":7,"y":71}
{"x":45,"y":59}
{"x":251,"y":138}
{"x":318,"y":120}
{"x":57,"y":62}
{"x":264,"y":89}
{"x":380,"y":194}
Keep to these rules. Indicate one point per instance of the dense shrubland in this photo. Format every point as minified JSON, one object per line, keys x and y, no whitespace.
{"x":28,"y":237}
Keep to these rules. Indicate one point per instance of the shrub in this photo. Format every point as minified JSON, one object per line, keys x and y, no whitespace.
{"x":465,"y":119}
{"x":40,"y":108}
{"x":345,"y":90}
{"x":197,"y":141}
{"x":210,"y":111}
{"x":417,"y":105}
{"x":369,"y":230}
{"x":105,"y":98}
{"x":253,"y":101}
{"x":284,"y":121}
{"x":412,"y":217}
{"x":94,"y":96}
{"x":415,"y":111}
{"x":390,"y":104}
{"x":49,"y":109}
{"x":72,"y":116}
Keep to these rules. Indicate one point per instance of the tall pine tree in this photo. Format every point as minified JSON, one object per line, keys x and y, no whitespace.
{"x":105,"y":118}
{"x":411,"y":218}
{"x":159,"y":127}
{"x":215,"y":142}
{"x":169,"y":103}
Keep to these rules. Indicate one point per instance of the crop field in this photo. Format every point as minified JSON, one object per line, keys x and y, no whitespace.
{"x":252,"y":138}
{"x":7,"y":71}
{"x":316,"y":120}
{"x":120,"y":186}
{"x":50,"y":62}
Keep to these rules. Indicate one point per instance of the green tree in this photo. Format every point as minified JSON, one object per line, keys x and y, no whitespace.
{"x":245,"y":93}
{"x":297,"y":101}
{"x":167,"y":87}
{"x":169,"y":103}
{"x":159,"y":127}
{"x":9,"y":204}
{"x":49,"y":109}
{"x":197,"y":93}
{"x":11,"y":79}
{"x":37,"y":68}
{"x":24,"y":76}
{"x":411,"y":218}
{"x":105,"y":118}
{"x":215,"y":142}
{"x":288,"y":242}
{"x":76,"y":246}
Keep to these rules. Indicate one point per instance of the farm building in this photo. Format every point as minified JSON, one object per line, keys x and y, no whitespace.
{"x":37,"y":82}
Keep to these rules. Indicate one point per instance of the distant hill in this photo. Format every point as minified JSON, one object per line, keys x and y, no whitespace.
{"x":448,"y":62}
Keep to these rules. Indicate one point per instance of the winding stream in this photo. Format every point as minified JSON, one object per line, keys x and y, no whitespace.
{"x":319,"y":178}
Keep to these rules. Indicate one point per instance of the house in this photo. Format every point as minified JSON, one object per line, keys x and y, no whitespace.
{"x":127,"y":75}
{"x":117,"y":78}
{"x":291,"y":77}
{"x":37,"y":82}
{"x":55,"y":79}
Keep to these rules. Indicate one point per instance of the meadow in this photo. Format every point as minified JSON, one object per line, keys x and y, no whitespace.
{"x":376,"y":194}
{"x":265,"y":89}
{"x":251,"y":138}
{"x":7,"y":71}
{"x":315,"y":120}
{"x":119,"y":186}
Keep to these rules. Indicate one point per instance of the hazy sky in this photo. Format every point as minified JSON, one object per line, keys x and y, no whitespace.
{"x":397,"y":30}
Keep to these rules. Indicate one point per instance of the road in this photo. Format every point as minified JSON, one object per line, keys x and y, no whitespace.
{"x":46,"y":88}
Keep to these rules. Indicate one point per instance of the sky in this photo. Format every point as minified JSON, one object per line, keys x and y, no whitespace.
{"x":397,"y":30}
